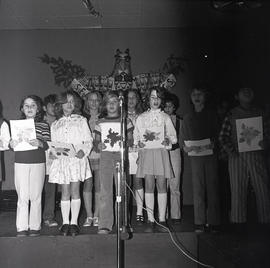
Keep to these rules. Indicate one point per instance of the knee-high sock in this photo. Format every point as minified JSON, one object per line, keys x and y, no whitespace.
{"x":149,"y":202}
{"x":162,"y":206}
{"x":75,"y":209}
{"x":65,"y":210}
{"x":139,"y":200}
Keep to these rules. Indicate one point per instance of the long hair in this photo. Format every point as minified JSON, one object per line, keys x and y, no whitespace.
{"x":139,"y":106}
{"x":86,"y":108}
{"x":39,"y":103}
{"x":62,"y":99}
{"x":109,"y":94}
{"x":160,"y":93}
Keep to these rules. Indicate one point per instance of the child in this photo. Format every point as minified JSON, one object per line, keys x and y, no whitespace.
{"x":171,"y":105}
{"x":49,"y":188}
{"x":154,"y":164}
{"x":4,"y":139}
{"x":198,"y":125}
{"x":29,"y":170}
{"x":70,"y":128}
{"x":134,"y":109}
{"x":109,"y":159}
{"x":92,"y":109}
{"x":245,"y":166}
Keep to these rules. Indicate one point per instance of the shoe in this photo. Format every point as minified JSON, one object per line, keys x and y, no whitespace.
{"x":88,"y":222}
{"x":50,"y":223}
{"x":160,"y":228}
{"x":95,"y":221}
{"x":64,"y":230}
{"x":34,"y":233}
{"x":176,"y":221}
{"x":139,"y":219}
{"x":199,"y":228}
{"x":74,"y":229}
{"x":104,"y":231}
{"x":150,"y":227}
{"x":22,"y":233}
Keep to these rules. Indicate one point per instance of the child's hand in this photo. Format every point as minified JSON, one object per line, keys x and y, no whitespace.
{"x":166,"y":142}
{"x":13,"y":143}
{"x":209,"y":146}
{"x":197,"y":149}
{"x":141,"y":144}
{"x":187,"y":149}
{"x":52,"y":156}
{"x":101,"y":146}
{"x":36,"y":143}
{"x":80,"y":154}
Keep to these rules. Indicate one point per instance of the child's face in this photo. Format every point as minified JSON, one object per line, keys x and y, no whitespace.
{"x":132,"y":100}
{"x":69,"y":106}
{"x":49,"y":109}
{"x":154,"y":100}
{"x":112,"y":106}
{"x":93,"y":102}
{"x":29,"y":108}
{"x":169,"y":108}
{"x":197,"y":97}
{"x":245,"y":96}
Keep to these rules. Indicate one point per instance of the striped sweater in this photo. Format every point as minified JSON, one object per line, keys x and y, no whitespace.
{"x":36,"y":156}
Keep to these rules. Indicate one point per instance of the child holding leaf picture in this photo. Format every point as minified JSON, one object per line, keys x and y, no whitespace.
{"x":244,"y":139}
{"x":153,"y":134}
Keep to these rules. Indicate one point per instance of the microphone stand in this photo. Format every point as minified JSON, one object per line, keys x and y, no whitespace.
{"x":121,"y":193}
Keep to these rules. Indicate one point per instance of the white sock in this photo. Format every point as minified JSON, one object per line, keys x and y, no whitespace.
{"x":149,"y":202}
{"x":65,"y":210}
{"x":139,"y":200}
{"x":162,"y":205}
{"x":75,"y":209}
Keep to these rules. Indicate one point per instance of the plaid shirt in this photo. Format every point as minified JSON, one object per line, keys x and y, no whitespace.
{"x":225,"y":140}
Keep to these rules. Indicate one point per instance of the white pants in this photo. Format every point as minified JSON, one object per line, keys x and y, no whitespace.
{"x":29,"y":180}
{"x":174,"y":184}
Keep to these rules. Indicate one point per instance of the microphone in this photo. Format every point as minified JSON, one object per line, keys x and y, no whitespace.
{"x":121,"y":97}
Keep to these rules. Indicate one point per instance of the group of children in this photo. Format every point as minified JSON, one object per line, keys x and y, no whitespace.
{"x":69,"y":119}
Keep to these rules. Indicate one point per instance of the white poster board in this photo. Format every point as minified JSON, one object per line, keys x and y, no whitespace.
{"x":61,"y":150}
{"x":153,"y":137}
{"x":23,"y":131}
{"x":202,"y":144}
{"x":111,"y":136}
{"x":249,"y":134}
{"x":132,"y":158}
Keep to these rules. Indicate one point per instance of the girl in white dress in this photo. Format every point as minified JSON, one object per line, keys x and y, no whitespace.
{"x":70,"y":128}
{"x":153,"y":161}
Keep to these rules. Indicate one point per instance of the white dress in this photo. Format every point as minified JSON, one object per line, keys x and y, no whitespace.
{"x":72,"y":129}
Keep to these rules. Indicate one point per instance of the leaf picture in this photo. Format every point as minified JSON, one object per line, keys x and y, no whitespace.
{"x":112,"y":138}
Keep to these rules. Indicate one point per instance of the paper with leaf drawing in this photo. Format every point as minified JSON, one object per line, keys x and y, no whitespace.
{"x":249,"y":134}
{"x":23,"y":131}
{"x":111,"y":136}
{"x":61,"y":150}
{"x":202,"y":144}
{"x":153,"y":137}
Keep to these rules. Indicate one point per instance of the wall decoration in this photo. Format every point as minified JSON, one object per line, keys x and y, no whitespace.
{"x":23,"y":131}
{"x":121,"y":77}
{"x":63,"y":70}
{"x":249,"y":134}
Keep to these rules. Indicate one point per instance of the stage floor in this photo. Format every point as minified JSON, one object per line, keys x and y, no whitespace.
{"x":225,"y":249}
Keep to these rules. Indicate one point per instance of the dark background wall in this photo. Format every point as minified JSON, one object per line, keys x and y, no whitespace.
{"x":226,"y":55}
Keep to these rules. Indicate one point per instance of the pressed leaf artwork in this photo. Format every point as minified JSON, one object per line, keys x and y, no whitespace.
{"x":112,"y":138}
{"x":248,"y":134}
{"x":151,"y":135}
